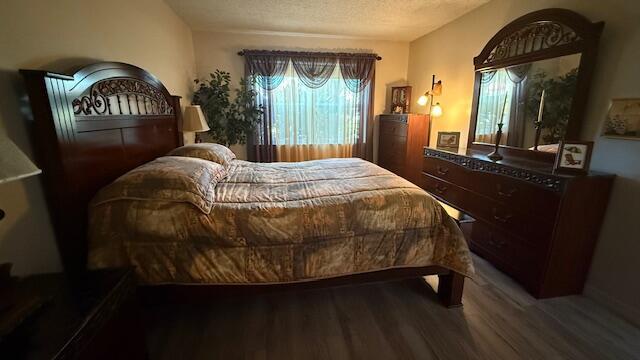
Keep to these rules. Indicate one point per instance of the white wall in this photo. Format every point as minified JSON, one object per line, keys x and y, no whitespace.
{"x":449,"y":51}
{"x":215,"y":50}
{"x":58,"y":35}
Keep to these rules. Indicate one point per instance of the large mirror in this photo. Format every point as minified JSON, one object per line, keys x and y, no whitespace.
{"x":532,"y":101}
{"x":532,"y":81}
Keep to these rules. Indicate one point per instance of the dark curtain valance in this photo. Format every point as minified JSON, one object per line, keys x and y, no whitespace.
{"x":268,"y":70}
{"x":313,"y":68}
{"x":314,"y":71}
{"x":516,"y":74}
{"x":357,"y":72}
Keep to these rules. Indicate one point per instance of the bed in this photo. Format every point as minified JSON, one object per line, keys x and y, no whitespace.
{"x":262,"y":226}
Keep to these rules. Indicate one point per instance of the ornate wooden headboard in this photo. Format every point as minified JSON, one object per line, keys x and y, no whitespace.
{"x":90,"y":128}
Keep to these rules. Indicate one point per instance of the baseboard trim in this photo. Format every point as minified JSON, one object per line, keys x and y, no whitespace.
{"x":626,"y":311}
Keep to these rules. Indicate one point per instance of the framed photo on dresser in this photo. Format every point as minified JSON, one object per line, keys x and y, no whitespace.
{"x":573,"y":157}
{"x":448,"y":140}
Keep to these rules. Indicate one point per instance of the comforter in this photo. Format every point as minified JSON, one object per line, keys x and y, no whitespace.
{"x":278,"y":222}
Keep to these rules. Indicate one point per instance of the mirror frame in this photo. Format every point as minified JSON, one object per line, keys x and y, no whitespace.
{"x":508,"y":47}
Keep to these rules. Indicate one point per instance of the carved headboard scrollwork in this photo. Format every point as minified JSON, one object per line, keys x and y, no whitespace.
{"x":89,"y":128}
{"x":131,"y":97}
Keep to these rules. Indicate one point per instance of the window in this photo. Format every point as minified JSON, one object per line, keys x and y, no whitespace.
{"x":316,"y":105}
{"x":329,"y":114}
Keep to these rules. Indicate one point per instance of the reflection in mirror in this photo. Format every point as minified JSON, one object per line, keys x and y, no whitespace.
{"x":533,"y":102}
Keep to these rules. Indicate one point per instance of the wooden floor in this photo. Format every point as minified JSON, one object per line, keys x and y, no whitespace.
{"x":393,"y":320}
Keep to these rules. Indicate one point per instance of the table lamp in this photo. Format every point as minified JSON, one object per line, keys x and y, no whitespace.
{"x":194,"y":120}
{"x":14,"y":164}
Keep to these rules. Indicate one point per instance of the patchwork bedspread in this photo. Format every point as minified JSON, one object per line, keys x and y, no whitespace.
{"x":280,"y":222}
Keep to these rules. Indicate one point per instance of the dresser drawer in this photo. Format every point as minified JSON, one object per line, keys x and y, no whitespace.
{"x":534,"y":230}
{"x":392,"y":153}
{"x":393,"y":146}
{"x":447,"y":171}
{"x":448,"y":192}
{"x":525,"y":197}
{"x":518,"y":194}
{"x":393,"y":128}
{"x":508,"y":252}
{"x":392,"y":165}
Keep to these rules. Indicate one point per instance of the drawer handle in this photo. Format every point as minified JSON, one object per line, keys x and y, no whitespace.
{"x":499,"y":244}
{"x":442,"y":170}
{"x":503,"y":219}
{"x":440,"y":189}
{"x":505,"y":193}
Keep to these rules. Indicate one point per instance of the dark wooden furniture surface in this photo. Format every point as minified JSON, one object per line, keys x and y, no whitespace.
{"x":90,"y":128}
{"x":402,"y":137}
{"x":108,"y":118}
{"x":449,"y":291}
{"x":540,"y":35}
{"x":538,"y":227}
{"x":90,"y":317}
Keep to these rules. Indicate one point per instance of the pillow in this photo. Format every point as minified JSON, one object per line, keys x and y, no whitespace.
{"x":212,"y":152}
{"x":168,"y":178}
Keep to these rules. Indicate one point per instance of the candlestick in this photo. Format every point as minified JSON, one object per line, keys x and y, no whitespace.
{"x":504,"y":107}
{"x":538,"y":123}
{"x":541,"y":108}
{"x":495,"y":155}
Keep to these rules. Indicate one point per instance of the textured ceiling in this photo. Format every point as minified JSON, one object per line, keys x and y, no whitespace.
{"x":402,"y":20}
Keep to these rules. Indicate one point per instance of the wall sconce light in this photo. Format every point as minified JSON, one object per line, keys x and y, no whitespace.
{"x":436,"y":90}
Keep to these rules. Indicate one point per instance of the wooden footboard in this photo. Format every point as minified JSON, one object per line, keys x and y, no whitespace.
{"x":449,"y":288}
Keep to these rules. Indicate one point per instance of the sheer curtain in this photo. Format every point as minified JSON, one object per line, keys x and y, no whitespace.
{"x":316,"y":105}
{"x":494,"y":87}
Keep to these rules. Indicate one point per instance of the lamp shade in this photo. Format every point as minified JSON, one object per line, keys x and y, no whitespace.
{"x":437,"y":88}
{"x":194,"y":120}
{"x":14,"y":164}
{"x":436,"y":110}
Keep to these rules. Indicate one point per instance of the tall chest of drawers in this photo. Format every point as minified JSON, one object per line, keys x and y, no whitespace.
{"x":538,"y":227}
{"x":401,"y":139}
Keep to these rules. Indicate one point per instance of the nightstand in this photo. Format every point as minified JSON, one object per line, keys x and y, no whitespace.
{"x":93,"y":317}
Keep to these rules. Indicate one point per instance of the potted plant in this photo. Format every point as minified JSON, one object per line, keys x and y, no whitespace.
{"x":230,"y":121}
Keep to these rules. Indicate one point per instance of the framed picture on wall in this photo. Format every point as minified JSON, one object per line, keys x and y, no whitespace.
{"x":573,"y":157}
{"x":448,"y":140}
{"x":623,"y":119}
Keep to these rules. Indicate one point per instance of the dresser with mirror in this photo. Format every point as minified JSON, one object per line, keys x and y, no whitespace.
{"x":540,"y":227}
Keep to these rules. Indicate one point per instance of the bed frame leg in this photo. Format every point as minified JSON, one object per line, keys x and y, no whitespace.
{"x":450,"y":289}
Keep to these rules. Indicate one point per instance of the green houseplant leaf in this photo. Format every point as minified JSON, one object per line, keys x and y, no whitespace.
{"x":230,"y":121}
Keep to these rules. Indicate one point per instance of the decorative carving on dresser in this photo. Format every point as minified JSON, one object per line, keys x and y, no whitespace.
{"x":549,"y":181}
{"x":117,"y":96}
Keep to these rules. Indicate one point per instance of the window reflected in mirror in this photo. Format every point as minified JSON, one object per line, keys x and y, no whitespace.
{"x":533,"y":102}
